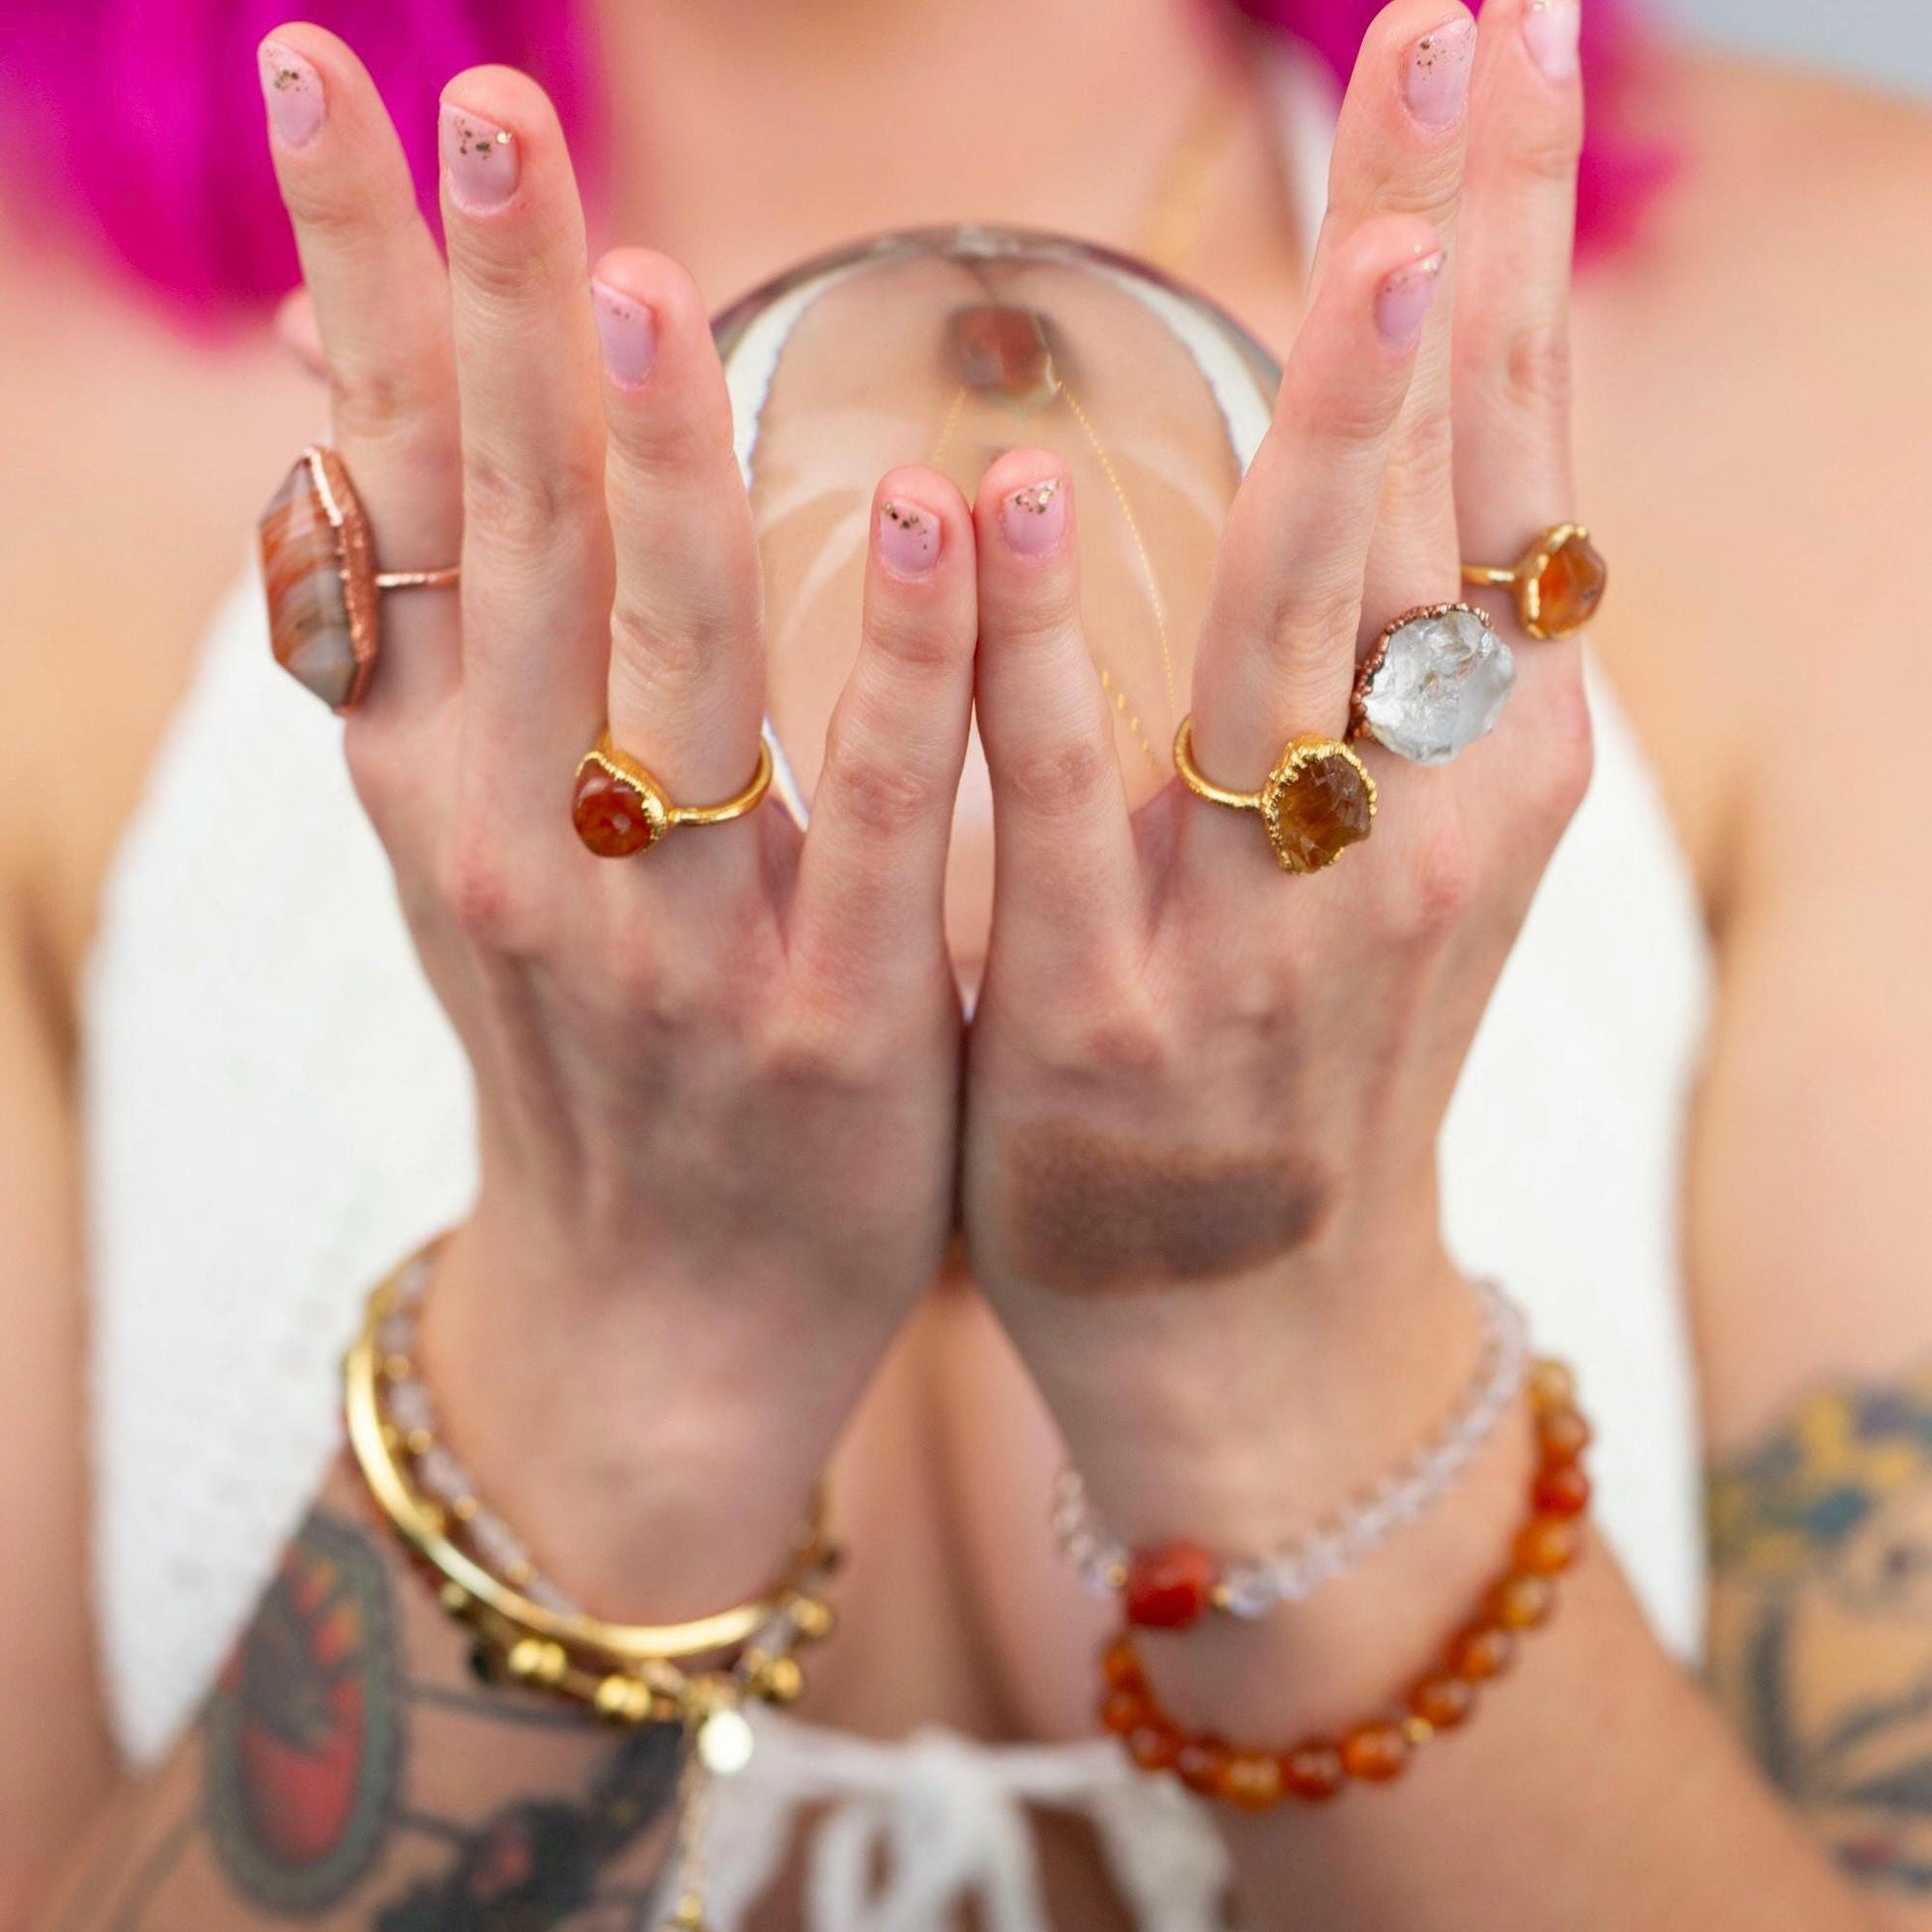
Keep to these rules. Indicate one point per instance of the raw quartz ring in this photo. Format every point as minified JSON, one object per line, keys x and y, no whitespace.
{"x":620,"y":809}
{"x":1319,"y":799}
{"x":1557,"y":582}
{"x":320,"y":576}
{"x":1436,"y":681}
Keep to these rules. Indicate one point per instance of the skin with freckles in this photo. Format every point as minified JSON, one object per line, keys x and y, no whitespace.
{"x":686,"y":1063}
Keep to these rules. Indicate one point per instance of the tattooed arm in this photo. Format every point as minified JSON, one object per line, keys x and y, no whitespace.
{"x":349,"y":1771}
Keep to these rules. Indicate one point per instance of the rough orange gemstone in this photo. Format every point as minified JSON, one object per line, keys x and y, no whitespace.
{"x":1122,"y":1712}
{"x":1571,"y":586}
{"x":1120,"y":1665}
{"x":1564,"y":1435}
{"x":1252,"y":1780}
{"x":1168,"y":1588}
{"x":1004,"y":350}
{"x":1547,"y":1544}
{"x":1326,"y":808}
{"x":1202,"y":1764}
{"x":1523,"y":1600}
{"x":1561,"y":1490}
{"x":1482,"y":1651}
{"x":303,"y":574}
{"x":609,"y":813}
{"x":1313,"y":1770}
{"x":1443,"y":1700}
{"x":1375,"y":1752}
{"x":1154,"y":1746}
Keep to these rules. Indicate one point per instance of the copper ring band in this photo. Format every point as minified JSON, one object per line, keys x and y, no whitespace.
{"x":319,"y":574}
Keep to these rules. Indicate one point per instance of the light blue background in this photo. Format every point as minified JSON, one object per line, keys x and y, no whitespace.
{"x":1887,"y":41}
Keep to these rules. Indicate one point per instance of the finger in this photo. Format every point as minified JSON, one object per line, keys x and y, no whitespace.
{"x":1277,"y":648}
{"x":381,"y":313}
{"x":1064,"y":875}
{"x":687,"y":661}
{"x":1512,"y":324}
{"x":296,"y":330}
{"x":869,"y":913}
{"x":536,"y":538}
{"x":1399,"y":149}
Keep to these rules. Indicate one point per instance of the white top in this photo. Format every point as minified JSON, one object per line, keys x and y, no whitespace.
{"x":276,"y":1109}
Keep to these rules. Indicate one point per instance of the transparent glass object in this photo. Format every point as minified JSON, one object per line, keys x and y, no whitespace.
{"x":948,"y":347}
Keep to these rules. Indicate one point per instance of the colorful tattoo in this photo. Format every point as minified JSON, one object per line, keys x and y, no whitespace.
{"x":1822,"y":1620}
{"x":304,"y":1738}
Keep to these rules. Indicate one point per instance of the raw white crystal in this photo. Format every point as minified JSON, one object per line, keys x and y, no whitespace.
{"x":1440,"y":686}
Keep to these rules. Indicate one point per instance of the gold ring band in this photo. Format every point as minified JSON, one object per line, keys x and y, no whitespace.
{"x":320,"y":578}
{"x":1558,"y":583}
{"x":1316,"y":802}
{"x":620,"y":809}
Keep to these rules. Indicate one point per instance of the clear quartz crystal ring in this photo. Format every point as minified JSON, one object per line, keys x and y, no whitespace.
{"x":620,"y":809}
{"x":1436,"y":681}
{"x":320,"y":576}
{"x":1557,"y":582}
{"x":1317,"y":802}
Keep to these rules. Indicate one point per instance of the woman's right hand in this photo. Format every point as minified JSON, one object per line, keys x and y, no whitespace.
{"x":718,"y":1082}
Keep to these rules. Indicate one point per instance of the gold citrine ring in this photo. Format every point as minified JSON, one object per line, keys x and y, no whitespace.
{"x":1317,"y":802}
{"x":1557,"y":582}
{"x":620,"y":809}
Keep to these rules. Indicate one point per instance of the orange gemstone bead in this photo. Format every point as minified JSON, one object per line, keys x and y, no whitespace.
{"x":1201,"y":1765}
{"x":1482,"y":1651}
{"x":1571,"y":586}
{"x":1119,"y":1666}
{"x":1123,"y":1711}
{"x":1562,"y":1490}
{"x":1313,"y":1771}
{"x":1551,"y":1385}
{"x":1547,"y":1545}
{"x":1375,"y":1752}
{"x":1522,"y":1601}
{"x":1562,"y":1433}
{"x":1154,"y":1746}
{"x":1168,"y":1588}
{"x":1252,"y":1780}
{"x":1443,"y":1700}
{"x":611,"y":814}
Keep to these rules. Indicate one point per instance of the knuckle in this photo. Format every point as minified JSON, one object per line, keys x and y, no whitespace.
{"x":1442,"y":883}
{"x":486,"y":901}
{"x":1320,"y":615}
{"x":1120,"y":1035}
{"x":1548,"y":152}
{"x":1570,"y":747}
{"x":1536,"y":367}
{"x":655,"y":650}
{"x":1060,"y":777}
{"x":1421,"y":464}
{"x":875,"y":790}
{"x":814,"y":1046}
{"x":381,"y":402}
{"x":919,"y":641}
{"x":527,"y":506}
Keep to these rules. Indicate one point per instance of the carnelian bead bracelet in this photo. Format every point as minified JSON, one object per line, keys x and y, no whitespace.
{"x":1377,"y":1751}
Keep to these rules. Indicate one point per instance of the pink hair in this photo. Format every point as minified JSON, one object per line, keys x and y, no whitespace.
{"x":143,"y":114}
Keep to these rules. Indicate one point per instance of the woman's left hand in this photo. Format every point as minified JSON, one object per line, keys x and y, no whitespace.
{"x":1204,"y":1096}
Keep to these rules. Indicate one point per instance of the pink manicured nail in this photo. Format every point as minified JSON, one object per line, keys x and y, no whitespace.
{"x":292,"y":90}
{"x":480,"y":159}
{"x":1403,"y":302}
{"x":1550,"y":32}
{"x":908,"y":538}
{"x":1436,"y":79}
{"x":628,"y":333}
{"x":1033,"y":517}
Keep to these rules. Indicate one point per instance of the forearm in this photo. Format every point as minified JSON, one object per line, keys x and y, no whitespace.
{"x":1593,"y":1785}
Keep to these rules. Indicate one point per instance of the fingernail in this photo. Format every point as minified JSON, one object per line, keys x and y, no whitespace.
{"x":1550,"y":32}
{"x":292,"y":90}
{"x":1403,"y":302}
{"x":1436,"y":78}
{"x":480,"y":159}
{"x":908,"y":538}
{"x":1033,"y":517}
{"x":628,"y":333}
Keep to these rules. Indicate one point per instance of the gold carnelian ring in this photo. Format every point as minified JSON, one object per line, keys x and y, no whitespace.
{"x":1557,"y":582}
{"x":620,"y":809}
{"x":1317,"y":802}
{"x":320,"y":576}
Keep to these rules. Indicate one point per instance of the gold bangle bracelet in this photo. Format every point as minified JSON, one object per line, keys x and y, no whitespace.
{"x":420,"y":1522}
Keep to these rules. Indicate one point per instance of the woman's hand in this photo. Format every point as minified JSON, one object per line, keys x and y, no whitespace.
{"x":1204,"y":1096}
{"x":717,"y":1083}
